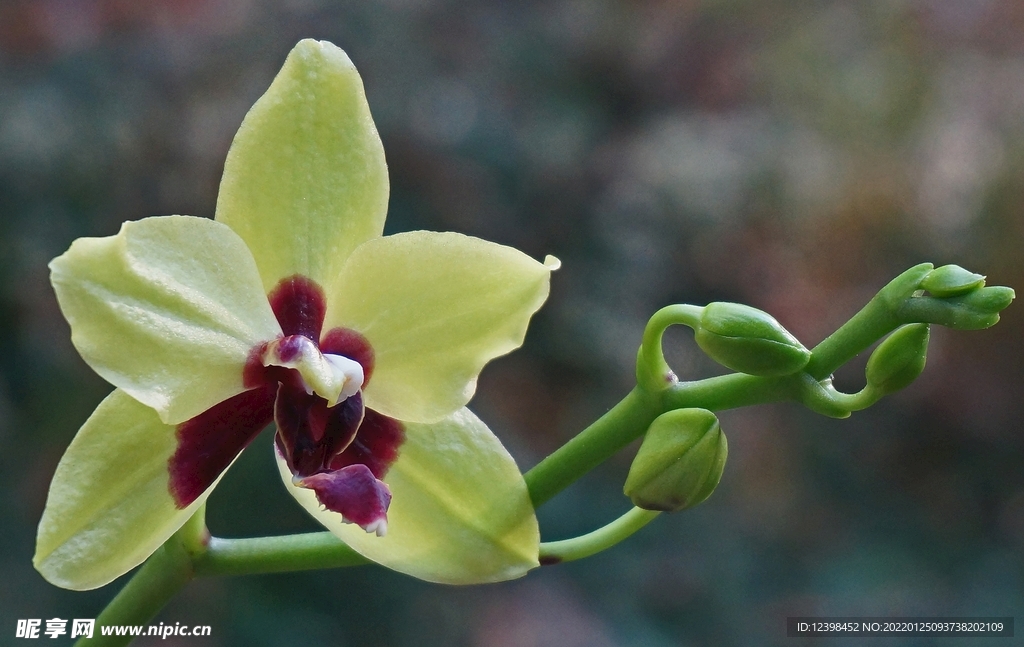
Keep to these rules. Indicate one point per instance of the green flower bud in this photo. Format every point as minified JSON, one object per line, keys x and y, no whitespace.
{"x":679,"y":463}
{"x":898,"y":360}
{"x":951,"y":280}
{"x":974,"y":310}
{"x":749,"y":340}
{"x":984,"y":304}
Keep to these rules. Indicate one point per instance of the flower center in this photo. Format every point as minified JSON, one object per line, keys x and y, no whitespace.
{"x":334,"y":378}
{"x":330,"y":442}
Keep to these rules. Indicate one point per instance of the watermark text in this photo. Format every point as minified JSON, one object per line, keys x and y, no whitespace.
{"x":34,"y":628}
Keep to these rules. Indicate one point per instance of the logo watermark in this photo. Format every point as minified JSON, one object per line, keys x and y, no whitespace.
{"x":34,"y":628}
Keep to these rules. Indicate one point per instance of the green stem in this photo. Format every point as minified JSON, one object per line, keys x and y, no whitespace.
{"x":728,"y":392}
{"x":653,"y":374}
{"x":160,"y":578}
{"x":276,"y":554}
{"x":631,"y":417}
{"x":592,"y":446}
{"x":875,"y":320}
{"x":194,"y":535}
{"x":191,"y":552}
{"x":566,"y":550}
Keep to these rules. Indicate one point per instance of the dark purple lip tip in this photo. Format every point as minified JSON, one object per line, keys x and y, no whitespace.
{"x":354,"y":493}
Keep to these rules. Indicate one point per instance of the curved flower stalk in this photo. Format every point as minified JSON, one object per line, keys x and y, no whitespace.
{"x":291,"y":307}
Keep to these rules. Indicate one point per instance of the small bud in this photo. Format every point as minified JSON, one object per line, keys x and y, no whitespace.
{"x":983,"y":306}
{"x":679,"y":463}
{"x":749,"y":340}
{"x":974,"y":310}
{"x":898,"y":360}
{"x":992,"y":299}
{"x":951,"y":280}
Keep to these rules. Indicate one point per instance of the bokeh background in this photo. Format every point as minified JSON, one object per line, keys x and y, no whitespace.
{"x":790,"y":155}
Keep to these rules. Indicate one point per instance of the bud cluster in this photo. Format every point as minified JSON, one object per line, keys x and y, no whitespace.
{"x":956,"y":298}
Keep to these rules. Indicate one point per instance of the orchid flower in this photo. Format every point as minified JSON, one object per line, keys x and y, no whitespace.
{"x":291,"y":307}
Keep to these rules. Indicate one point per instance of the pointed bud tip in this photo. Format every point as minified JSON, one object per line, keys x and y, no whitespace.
{"x":326,"y":51}
{"x":951,"y":280}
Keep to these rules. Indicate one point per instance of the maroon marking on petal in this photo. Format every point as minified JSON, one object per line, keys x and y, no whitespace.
{"x":376,"y":444}
{"x":255,"y":373}
{"x":309,"y":434}
{"x":209,"y":442}
{"x":350,"y":344}
{"x":549,"y":560}
{"x":291,"y":347}
{"x":354,"y":493}
{"x":299,"y":305}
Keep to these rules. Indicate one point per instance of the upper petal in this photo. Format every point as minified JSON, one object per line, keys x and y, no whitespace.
{"x":435,"y":307}
{"x":460,"y":512}
{"x":168,"y":310}
{"x":305,"y":181}
{"x":109,"y":506}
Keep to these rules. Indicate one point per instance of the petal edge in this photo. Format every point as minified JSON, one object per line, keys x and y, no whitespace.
{"x":104,"y":517}
{"x":435,"y":307}
{"x":167,"y":300}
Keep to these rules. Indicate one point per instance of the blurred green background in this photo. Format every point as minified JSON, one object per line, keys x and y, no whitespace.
{"x":790,"y":155}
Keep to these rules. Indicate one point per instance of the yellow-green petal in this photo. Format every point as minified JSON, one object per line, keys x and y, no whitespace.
{"x":460,"y":512}
{"x":435,"y":307}
{"x":305,"y":181}
{"x":109,"y":506}
{"x":168,"y":310}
